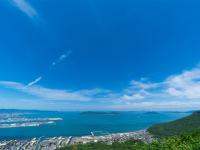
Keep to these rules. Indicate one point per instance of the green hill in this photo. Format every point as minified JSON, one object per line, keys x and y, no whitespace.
{"x":180,"y":126}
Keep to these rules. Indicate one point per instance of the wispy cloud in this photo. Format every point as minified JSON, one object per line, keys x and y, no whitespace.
{"x":48,"y":93}
{"x":34,"y":81}
{"x":60,"y":59}
{"x":26,"y":8}
{"x":153,"y":105}
{"x":185,"y":86}
{"x":176,"y":91}
{"x":56,"y":62}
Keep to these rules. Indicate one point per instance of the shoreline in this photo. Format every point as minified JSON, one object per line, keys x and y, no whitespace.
{"x":52,"y":143}
{"x":4,"y":138}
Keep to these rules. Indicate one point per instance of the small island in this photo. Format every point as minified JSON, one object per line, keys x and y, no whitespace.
{"x":100,"y":113}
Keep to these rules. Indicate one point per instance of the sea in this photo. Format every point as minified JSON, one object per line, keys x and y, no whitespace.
{"x":82,"y":123}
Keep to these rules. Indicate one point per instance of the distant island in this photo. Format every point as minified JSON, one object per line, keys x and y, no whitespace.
{"x":152,"y":112}
{"x":100,"y":113}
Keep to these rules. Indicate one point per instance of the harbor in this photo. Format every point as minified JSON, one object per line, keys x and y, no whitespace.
{"x":52,"y":143}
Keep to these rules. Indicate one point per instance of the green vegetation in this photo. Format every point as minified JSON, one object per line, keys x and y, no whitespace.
{"x":129,"y":145}
{"x":178,"y":142}
{"x":180,"y":126}
{"x":182,"y":134}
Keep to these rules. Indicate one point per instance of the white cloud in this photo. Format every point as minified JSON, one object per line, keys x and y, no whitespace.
{"x":34,"y":81}
{"x":137,"y":96}
{"x":143,"y":85}
{"x":60,"y":59}
{"x":94,"y":92}
{"x":186,"y":84}
{"x":25,"y":7}
{"x":173,"y":92}
{"x":47,"y":93}
{"x":164,"y":105}
{"x":139,"y":90}
{"x":176,"y":91}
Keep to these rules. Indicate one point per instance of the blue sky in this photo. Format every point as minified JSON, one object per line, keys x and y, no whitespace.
{"x":100,"y":55}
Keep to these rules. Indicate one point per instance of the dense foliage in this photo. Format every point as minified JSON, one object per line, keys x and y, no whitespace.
{"x":178,"y":142}
{"x":180,"y":126}
{"x":102,"y":146}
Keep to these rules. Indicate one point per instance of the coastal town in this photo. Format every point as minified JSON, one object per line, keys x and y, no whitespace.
{"x":53,"y":143}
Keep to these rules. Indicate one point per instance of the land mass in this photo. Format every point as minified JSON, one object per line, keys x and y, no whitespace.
{"x":180,"y":126}
{"x":181,"y":134}
{"x":100,"y":113}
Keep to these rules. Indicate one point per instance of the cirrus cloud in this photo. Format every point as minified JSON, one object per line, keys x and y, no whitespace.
{"x":25,"y":7}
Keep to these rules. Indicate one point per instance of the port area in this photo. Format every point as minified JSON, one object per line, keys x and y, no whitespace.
{"x":52,"y":143}
{"x":99,"y":133}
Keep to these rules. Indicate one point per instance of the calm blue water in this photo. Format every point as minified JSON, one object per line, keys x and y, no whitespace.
{"x":77,"y":123}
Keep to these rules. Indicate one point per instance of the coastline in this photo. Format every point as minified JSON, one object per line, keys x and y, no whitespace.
{"x":52,"y":143}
